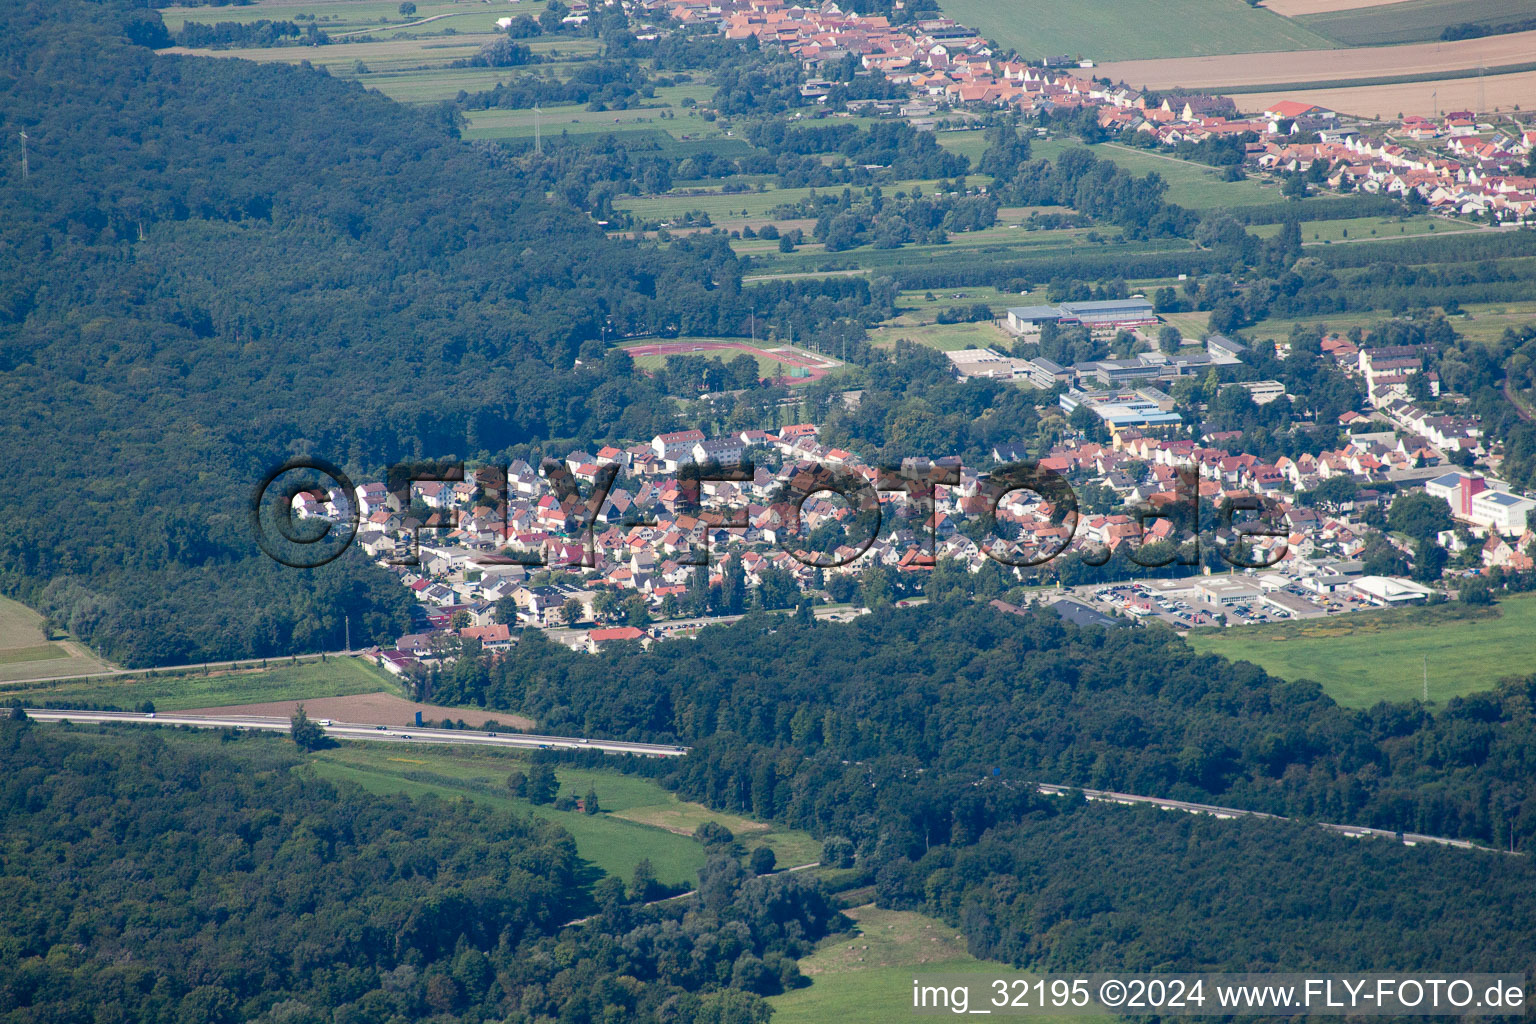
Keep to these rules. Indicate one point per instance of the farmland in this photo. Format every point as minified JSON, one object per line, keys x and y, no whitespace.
{"x":1297,"y":8}
{"x":25,"y":653}
{"x":333,"y":677}
{"x":1111,"y":30}
{"x":1426,"y":98}
{"x":1413,"y":20}
{"x":1373,"y":656}
{"x":1191,"y":185}
{"x":639,"y":819}
{"x":1322,"y":65}
{"x":866,"y":977}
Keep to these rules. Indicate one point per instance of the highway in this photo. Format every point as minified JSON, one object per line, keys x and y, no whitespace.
{"x":371,"y":733}
{"x":1352,"y":831}
{"x":527,"y":741}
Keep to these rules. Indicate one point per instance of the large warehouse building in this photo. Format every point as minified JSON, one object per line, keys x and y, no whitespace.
{"x":1136,"y":312}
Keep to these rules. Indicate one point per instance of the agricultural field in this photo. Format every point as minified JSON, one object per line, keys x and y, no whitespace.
{"x":1192,"y":185}
{"x":1412,"y":21}
{"x":1322,"y":65}
{"x":970,"y":143}
{"x":336,"y":17}
{"x":725,"y":206}
{"x":25,"y":653}
{"x":1297,"y":8}
{"x":1484,"y":322}
{"x":639,"y":819}
{"x":1111,"y":30}
{"x":866,"y":977}
{"x":1427,"y":98}
{"x":1373,"y":656}
{"x":181,"y":691}
{"x":1364,"y":229}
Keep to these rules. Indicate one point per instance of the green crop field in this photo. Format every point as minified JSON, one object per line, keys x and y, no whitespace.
{"x":1412,"y":21}
{"x":1357,"y":229}
{"x":865,"y":976}
{"x":26,"y":654}
{"x":334,"y":677}
{"x":555,"y":121}
{"x":1367,"y":657}
{"x":970,"y":144}
{"x":1119,"y":30}
{"x":639,"y":819}
{"x":335,"y":16}
{"x":1484,"y":322}
{"x":1190,"y":184}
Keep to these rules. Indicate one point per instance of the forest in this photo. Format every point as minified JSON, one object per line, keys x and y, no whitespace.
{"x":909,"y":741}
{"x":789,"y":718}
{"x":154,"y":878}
{"x":206,"y":249}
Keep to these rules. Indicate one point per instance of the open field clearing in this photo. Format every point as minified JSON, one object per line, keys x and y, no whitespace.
{"x":1367,"y":657}
{"x":576,"y":120}
{"x":1278,"y":67}
{"x":1299,"y":8}
{"x":971,"y":143}
{"x":1363,"y":229}
{"x":1122,"y":29}
{"x":945,"y":337}
{"x":1191,"y":185}
{"x":336,"y":16}
{"x":610,"y":844}
{"x":639,"y":818}
{"x":1427,"y":99}
{"x":26,"y":654}
{"x":384,"y":55}
{"x":917,"y":308}
{"x":724,"y":205}
{"x":1484,"y":322}
{"x":432,"y":85}
{"x":866,"y":977}
{"x":1414,"y":21}
{"x":773,"y":360}
{"x":334,"y":677}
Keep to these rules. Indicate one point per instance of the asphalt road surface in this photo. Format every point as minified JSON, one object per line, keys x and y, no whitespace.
{"x":1353,"y":831}
{"x":373,"y":733}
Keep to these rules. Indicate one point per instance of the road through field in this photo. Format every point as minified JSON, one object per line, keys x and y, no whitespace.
{"x":373,"y":733}
{"x":1284,"y":67}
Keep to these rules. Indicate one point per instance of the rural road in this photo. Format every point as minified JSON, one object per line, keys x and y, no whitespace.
{"x":1354,"y":831}
{"x":375,"y":733}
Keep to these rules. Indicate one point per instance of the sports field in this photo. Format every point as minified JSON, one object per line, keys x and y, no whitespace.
{"x":1367,"y":657}
{"x":773,"y":359}
{"x":1126,"y":29}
